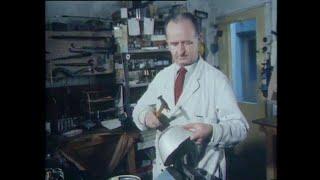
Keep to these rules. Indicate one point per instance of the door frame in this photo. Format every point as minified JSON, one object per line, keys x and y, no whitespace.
{"x":251,"y":110}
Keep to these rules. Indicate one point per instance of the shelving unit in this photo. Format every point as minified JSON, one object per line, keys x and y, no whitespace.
{"x":138,"y":60}
{"x":99,"y":101}
{"x":137,"y":76}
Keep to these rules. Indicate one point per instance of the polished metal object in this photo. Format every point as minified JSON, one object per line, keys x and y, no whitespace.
{"x":125,"y":177}
{"x":169,"y":141}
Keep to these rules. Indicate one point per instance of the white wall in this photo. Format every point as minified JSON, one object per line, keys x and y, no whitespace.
{"x":101,"y":9}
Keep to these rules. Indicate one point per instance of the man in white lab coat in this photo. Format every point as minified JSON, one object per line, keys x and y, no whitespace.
{"x":199,"y":96}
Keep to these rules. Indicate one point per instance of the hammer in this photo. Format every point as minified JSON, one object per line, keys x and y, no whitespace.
{"x":164,"y":105}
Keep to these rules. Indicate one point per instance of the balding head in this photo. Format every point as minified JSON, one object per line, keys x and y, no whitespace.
{"x":181,"y":17}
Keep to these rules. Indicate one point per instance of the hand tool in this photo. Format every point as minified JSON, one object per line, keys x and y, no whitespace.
{"x":100,"y":69}
{"x":164,"y":105}
{"x":64,"y":71}
{"x":80,"y":50}
{"x":72,"y":64}
{"x":93,"y":38}
{"x":91,"y":62}
{"x":81,"y":71}
{"x":164,"y":120}
{"x":201,"y":15}
{"x":85,"y":54}
{"x":87,"y":17}
{"x":88,"y":47}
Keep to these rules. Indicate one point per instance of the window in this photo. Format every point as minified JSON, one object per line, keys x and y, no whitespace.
{"x":244,"y":63}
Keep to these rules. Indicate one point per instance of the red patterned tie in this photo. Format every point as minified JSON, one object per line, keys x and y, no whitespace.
{"x":178,"y":85}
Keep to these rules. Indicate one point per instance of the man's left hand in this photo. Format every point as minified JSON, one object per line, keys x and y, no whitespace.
{"x":201,"y":131}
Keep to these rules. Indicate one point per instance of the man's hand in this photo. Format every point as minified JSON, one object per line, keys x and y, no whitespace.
{"x":151,"y":120}
{"x":201,"y":131}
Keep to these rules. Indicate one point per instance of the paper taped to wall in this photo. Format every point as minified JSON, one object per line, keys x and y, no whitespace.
{"x":148,"y":26}
{"x":124,"y":13}
{"x":134,"y":28}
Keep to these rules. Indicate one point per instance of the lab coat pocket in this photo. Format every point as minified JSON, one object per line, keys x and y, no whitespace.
{"x":205,"y":119}
{"x":199,"y":118}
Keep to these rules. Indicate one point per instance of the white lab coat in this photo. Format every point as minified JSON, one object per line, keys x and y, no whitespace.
{"x":207,"y":97}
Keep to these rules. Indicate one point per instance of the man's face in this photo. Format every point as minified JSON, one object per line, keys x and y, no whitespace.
{"x":182,"y":42}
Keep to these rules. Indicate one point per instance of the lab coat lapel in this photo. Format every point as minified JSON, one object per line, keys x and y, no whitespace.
{"x":192,"y":86}
{"x":169,"y":88}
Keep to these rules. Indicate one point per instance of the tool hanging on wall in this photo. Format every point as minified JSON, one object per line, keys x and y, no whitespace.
{"x":266,"y":69}
{"x":214,"y":47}
{"x":201,"y":15}
{"x":87,"y":17}
{"x":85,"y":54}
{"x":94,"y":51}
{"x":72,"y":64}
{"x":69,"y":37}
{"x":88,"y":47}
{"x":81,"y":71}
{"x":92,"y":66}
{"x":91,"y":62}
{"x":100,"y":69}
{"x":66,"y":73}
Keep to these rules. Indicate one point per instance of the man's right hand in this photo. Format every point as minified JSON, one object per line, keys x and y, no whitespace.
{"x":152,"y":121}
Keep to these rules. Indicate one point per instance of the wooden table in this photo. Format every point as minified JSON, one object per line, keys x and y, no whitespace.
{"x":95,"y":150}
{"x":269,"y":127}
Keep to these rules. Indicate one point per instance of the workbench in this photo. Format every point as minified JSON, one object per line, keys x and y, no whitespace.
{"x":269,"y":127}
{"x":100,"y":151}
